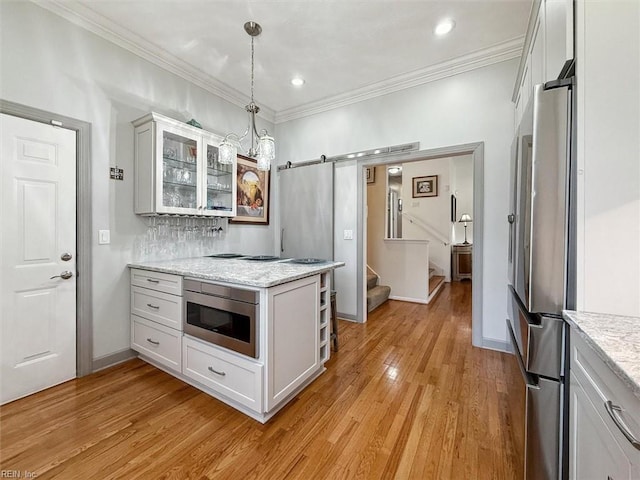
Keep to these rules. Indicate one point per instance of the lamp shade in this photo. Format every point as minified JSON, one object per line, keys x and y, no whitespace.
{"x":266,"y":152}
{"x":465,"y":217}
{"x":228,"y":152}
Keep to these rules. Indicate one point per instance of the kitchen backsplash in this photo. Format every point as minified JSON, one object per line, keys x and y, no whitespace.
{"x":179,"y":237}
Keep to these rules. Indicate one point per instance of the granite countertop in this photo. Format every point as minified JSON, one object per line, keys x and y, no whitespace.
{"x":237,"y":270}
{"x":615,"y":339}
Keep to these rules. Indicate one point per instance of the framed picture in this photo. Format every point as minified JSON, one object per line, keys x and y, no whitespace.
{"x":453,"y":208}
{"x":425,"y":186}
{"x":252,"y":193}
{"x":370,"y":174}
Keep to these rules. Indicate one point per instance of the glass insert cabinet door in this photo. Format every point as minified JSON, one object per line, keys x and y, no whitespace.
{"x":179,"y":175}
{"x":219,"y":190}
{"x":177,"y":170}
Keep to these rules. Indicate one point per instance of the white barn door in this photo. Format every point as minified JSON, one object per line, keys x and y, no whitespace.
{"x":38,"y":248}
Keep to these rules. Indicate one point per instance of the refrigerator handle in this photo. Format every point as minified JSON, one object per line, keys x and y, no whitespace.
{"x":511,"y":218}
{"x":529,"y":380}
{"x":282,"y":241}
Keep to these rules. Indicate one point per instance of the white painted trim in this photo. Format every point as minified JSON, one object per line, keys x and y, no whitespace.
{"x":406,"y":240}
{"x":409,"y":299}
{"x":497,"y":345}
{"x":84,"y":226}
{"x":477,"y":152}
{"x":88,"y":19}
{"x":482,"y":58}
{"x":112,"y":359}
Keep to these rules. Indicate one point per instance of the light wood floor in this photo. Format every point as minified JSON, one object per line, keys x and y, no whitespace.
{"x":406,"y":397}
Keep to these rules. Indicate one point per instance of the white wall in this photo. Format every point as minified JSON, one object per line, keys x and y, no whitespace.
{"x":51,"y":64}
{"x":430,"y":211}
{"x":608,"y":64}
{"x":403,"y":265}
{"x":462,"y":187}
{"x":471,"y":107}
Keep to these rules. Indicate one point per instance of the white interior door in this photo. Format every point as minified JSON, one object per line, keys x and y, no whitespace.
{"x":38,"y":248}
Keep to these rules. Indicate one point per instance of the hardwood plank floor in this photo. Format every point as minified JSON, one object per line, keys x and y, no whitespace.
{"x":406,"y":397}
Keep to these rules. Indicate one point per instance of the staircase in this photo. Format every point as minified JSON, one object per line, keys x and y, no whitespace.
{"x":435,"y":283}
{"x":376,"y":294}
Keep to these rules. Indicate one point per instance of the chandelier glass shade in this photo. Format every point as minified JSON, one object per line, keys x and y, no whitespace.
{"x":259,"y":145}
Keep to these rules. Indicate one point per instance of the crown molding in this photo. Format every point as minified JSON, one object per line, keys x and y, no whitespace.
{"x":88,"y":19}
{"x":482,"y":58}
{"x":103,"y":27}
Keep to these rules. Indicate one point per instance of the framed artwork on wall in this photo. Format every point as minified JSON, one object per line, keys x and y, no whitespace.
{"x":425,"y":186}
{"x":454,"y":202}
{"x":252,"y":194}
{"x":370,"y":174}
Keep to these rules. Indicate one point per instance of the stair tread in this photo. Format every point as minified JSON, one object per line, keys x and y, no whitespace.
{"x":376,"y":296}
{"x":372,"y":280}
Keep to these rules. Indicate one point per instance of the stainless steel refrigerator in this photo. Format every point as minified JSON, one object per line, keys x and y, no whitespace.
{"x":542,"y":272}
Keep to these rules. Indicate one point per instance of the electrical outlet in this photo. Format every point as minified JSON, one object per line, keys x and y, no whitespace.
{"x":104,"y":237}
{"x":348,"y":234}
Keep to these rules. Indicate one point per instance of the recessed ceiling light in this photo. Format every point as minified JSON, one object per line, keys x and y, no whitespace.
{"x":297,"y":81}
{"x":444,"y":27}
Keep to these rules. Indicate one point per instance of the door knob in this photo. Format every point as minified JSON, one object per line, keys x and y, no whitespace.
{"x":66,"y":275}
{"x":65,"y":257}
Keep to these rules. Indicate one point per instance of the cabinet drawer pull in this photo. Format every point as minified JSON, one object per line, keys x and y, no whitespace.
{"x":613,"y":410}
{"x":153,"y":306}
{"x":153,"y":280}
{"x":222,"y":374}
{"x":153,"y":342}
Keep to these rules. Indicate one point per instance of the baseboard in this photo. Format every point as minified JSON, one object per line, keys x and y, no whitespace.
{"x":346,"y":316}
{"x":106,"y":361}
{"x":409,"y":299}
{"x":498,"y":345}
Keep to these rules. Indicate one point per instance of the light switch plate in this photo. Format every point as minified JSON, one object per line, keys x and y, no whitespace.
{"x":348,"y":234}
{"x":104,"y":237}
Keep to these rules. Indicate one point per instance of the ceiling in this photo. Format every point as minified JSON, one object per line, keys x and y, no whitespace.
{"x":345,"y":50}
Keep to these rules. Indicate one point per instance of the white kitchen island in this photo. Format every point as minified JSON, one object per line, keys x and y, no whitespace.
{"x":292,"y":337}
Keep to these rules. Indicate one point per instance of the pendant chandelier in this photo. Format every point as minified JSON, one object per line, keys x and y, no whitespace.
{"x":262,"y":147}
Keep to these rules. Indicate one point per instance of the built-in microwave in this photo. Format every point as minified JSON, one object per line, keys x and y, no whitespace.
{"x":222,"y":315}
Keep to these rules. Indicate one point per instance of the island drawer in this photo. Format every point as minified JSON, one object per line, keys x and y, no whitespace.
{"x":236,"y":378}
{"x":157,"y":306}
{"x":157,"y":342}
{"x":162,"y":282}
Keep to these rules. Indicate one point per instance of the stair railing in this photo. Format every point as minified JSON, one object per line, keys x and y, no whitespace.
{"x":430,"y":230}
{"x":372,"y":271}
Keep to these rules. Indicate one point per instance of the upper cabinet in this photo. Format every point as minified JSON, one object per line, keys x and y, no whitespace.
{"x":548,"y":45}
{"x":177,"y":171}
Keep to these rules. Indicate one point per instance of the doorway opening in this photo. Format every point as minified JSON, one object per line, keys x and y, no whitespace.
{"x":402,"y":226}
{"x":83,"y":217}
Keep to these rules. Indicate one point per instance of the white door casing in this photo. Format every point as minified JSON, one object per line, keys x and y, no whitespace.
{"x":38,"y":218}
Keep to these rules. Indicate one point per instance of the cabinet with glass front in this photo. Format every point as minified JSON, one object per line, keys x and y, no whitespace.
{"x":177,"y":170}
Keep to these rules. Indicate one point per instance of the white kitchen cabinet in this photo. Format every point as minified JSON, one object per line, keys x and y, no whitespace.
{"x":598,"y":448}
{"x":325,"y":317}
{"x":233,"y":376}
{"x":558,"y":42}
{"x":156,"y":317}
{"x":293,"y":330}
{"x":177,"y":171}
{"x":157,"y":306}
{"x":156,"y":342}
{"x":548,"y":45}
